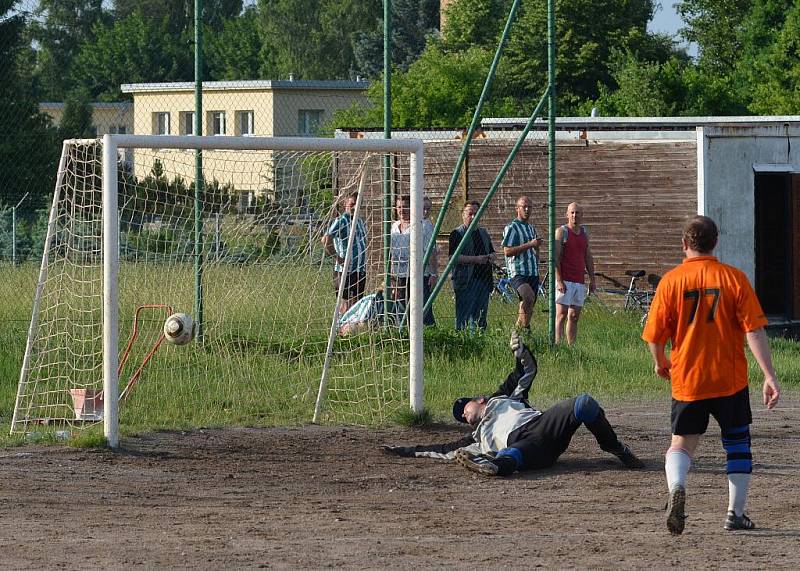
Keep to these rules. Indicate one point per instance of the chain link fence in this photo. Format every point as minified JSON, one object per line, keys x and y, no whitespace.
{"x":82,"y":69}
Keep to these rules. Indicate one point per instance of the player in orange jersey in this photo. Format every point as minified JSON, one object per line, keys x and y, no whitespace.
{"x":707,"y":309}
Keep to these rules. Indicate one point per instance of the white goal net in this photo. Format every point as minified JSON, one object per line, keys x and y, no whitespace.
{"x":252,"y":256}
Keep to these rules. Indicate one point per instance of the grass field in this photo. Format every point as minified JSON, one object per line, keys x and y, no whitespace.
{"x":245,"y":375}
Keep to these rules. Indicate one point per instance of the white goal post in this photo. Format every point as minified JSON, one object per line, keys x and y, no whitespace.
{"x":309,"y":166}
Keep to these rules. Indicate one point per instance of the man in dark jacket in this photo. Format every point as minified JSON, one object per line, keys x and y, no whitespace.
{"x":512,"y":435}
{"x":472,"y":275}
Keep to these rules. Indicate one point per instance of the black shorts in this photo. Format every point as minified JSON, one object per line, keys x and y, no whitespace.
{"x":729,"y":412}
{"x":353,"y":285}
{"x":532,"y":281}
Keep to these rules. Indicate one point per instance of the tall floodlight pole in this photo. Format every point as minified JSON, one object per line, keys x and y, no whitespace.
{"x":198,"y":168}
{"x":387,"y":134}
{"x":551,"y":162}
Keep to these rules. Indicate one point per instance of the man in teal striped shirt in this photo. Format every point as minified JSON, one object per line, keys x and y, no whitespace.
{"x":521,"y":248}
{"x":335,"y":243}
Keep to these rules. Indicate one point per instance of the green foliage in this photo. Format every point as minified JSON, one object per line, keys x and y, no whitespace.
{"x":180,"y":13}
{"x":29,"y":235}
{"x":715,"y":25}
{"x":440,"y":89}
{"x":76,"y":123}
{"x":475,"y":23}
{"x":60,"y":30}
{"x":407,"y":417}
{"x":28,"y":146}
{"x":588,"y":34}
{"x":313,"y":39}
{"x":131,"y":50}
{"x":413,"y":21}
{"x":770,"y":66}
{"x":234,"y":52}
{"x":92,"y":438}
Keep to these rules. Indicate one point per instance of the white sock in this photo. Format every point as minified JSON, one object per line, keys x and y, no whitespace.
{"x":676,"y":466}
{"x":738,"y":484}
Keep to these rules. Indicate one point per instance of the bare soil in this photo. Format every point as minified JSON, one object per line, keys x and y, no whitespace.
{"x":319,"y":497}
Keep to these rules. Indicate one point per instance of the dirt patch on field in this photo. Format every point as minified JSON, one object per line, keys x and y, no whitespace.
{"x":318,"y":497}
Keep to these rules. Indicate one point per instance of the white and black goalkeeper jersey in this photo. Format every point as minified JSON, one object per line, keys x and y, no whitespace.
{"x":503,"y":416}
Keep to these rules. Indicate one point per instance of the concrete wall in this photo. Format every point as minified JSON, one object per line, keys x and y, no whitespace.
{"x":727,"y":156}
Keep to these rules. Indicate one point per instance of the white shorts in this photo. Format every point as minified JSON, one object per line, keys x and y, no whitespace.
{"x":574,"y":295}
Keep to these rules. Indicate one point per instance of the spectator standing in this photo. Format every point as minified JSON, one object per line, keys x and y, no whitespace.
{"x":573,"y":258}
{"x":335,"y":243}
{"x":521,"y":248}
{"x":399,"y":256}
{"x":431,"y":273}
{"x":472,"y":274}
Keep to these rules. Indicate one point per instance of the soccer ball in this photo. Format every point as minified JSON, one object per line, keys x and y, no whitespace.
{"x":179,"y":329}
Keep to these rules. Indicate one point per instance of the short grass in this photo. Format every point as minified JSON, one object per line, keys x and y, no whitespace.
{"x":202,"y":387}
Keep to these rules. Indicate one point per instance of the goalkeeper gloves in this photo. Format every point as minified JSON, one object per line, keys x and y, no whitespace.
{"x":524,"y":354}
{"x":402,"y":451}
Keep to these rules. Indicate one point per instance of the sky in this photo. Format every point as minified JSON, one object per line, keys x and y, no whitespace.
{"x":666,"y":19}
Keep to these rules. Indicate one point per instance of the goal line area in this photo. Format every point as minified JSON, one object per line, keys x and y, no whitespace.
{"x":250,"y":249}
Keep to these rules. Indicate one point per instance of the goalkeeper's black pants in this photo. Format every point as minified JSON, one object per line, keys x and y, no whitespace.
{"x":545,"y":438}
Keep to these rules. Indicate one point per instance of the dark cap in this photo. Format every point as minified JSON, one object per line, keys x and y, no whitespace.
{"x":458,"y":408}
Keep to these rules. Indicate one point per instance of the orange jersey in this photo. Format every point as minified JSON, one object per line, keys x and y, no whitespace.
{"x":705,"y":307}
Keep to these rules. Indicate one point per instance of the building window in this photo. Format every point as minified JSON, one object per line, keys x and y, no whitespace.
{"x":308,"y":122}
{"x":118,"y":129}
{"x":216,"y":123}
{"x":244,"y":123}
{"x":187,"y":123}
{"x":161,"y":123}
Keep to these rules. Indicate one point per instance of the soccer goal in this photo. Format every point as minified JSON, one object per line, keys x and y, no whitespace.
{"x":134,"y":235}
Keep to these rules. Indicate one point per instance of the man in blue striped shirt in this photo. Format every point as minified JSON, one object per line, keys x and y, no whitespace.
{"x":521,"y":248}
{"x":335,"y":243}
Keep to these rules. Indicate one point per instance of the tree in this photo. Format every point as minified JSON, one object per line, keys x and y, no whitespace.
{"x":76,"y":122}
{"x":129,"y":51}
{"x":715,"y":25}
{"x":234,"y":52}
{"x":440,"y":89}
{"x":412,"y":22}
{"x":60,"y":29}
{"x":313,"y":39}
{"x":589,"y":33}
{"x":28,"y":147}
{"x":180,"y":13}
{"x":475,"y":23}
{"x":769,"y":68}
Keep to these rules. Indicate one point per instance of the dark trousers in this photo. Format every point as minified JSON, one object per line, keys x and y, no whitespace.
{"x":472,"y":304}
{"x":427,"y":317}
{"x":400,"y":297}
{"x":546,"y":437}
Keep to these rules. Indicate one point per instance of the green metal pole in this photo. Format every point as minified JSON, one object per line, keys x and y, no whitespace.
{"x":551,"y":163}
{"x":495,"y":185}
{"x":473,"y":125}
{"x":387,"y":159}
{"x":198,"y":168}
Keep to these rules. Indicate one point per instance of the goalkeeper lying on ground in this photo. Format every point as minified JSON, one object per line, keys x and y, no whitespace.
{"x":511,"y":435}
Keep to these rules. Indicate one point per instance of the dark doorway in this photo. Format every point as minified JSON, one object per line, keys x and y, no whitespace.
{"x":773,"y":241}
